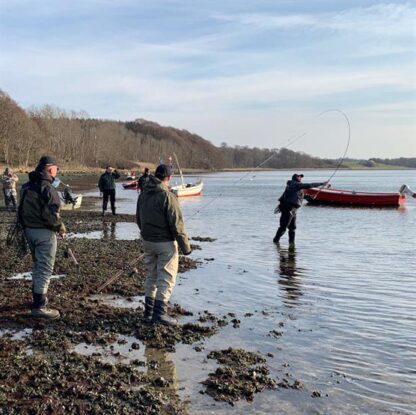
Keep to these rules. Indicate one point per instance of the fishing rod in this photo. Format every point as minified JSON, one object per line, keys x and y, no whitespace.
{"x":120,"y":273}
{"x":275,"y":152}
{"x":346,"y":147}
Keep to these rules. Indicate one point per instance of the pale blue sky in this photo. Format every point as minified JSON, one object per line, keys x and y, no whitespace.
{"x":249,"y":73}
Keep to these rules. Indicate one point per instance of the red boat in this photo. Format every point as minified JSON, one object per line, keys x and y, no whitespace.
{"x":131,"y":185}
{"x":329,"y":196}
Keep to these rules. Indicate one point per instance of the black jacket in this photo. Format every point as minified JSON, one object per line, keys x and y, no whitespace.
{"x":292,"y":197}
{"x":40,"y":203}
{"x":143,"y":180}
{"x":108,"y":181}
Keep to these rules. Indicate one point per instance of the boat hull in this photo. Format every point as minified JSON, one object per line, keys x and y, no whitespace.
{"x":70,"y":206}
{"x":352,"y":198}
{"x":132,"y":185}
{"x":188,"y":190}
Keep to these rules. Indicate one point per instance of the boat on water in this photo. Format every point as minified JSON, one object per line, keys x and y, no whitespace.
{"x":68,"y":205}
{"x":131,"y":185}
{"x":340,"y":197}
{"x":186,"y":189}
{"x":189,"y":189}
{"x":69,"y":201}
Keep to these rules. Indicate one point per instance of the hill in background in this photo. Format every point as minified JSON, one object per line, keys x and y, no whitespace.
{"x":76,"y":139}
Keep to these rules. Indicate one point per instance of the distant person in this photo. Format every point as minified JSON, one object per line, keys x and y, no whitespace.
{"x":144,"y":178}
{"x":159,"y":217}
{"x":289,"y":203}
{"x":9,"y":180}
{"x":39,"y":214}
{"x":107,"y":185}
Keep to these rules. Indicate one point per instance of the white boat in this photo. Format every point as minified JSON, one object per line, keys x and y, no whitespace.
{"x":67,"y":205}
{"x":189,"y":189}
{"x":186,"y":189}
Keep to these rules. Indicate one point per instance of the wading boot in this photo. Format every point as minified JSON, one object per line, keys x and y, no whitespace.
{"x":149,"y":304}
{"x":39,"y":309}
{"x":277,"y":237}
{"x":103,"y":213}
{"x":114,"y":211}
{"x":160,"y":315}
{"x":292,"y":238}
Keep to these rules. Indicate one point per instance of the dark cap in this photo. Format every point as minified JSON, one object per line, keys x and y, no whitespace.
{"x":46,"y":161}
{"x":295,"y":176}
{"x":163,"y":171}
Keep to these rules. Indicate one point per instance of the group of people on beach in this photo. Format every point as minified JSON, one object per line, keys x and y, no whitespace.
{"x":158,"y":216}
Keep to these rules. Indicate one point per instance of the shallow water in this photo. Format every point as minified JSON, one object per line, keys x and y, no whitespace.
{"x":343,"y":298}
{"x":27,"y":276}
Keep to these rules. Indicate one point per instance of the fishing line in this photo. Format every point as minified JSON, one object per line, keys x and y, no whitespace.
{"x":290,"y":141}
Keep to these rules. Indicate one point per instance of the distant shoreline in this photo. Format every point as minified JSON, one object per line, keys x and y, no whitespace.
{"x":70,"y":170}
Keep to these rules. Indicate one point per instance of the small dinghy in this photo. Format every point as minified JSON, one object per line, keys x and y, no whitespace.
{"x":186,"y":189}
{"x":131,"y":185}
{"x":69,"y":201}
{"x":329,"y":196}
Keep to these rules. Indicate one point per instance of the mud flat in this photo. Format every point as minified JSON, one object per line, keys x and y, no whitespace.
{"x":101,"y":356}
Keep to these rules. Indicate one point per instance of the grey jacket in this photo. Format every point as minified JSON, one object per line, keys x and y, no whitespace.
{"x":159,"y":215}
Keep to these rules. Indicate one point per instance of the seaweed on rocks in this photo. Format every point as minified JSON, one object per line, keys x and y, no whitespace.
{"x":72,"y":384}
{"x":242,"y":376}
{"x":41,"y":373}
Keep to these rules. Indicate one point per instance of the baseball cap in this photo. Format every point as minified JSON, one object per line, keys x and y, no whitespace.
{"x":45,"y":161}
{"x":295,"y":176}
{"x":163,"y":171}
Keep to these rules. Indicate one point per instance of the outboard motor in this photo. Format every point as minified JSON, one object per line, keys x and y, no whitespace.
{"x":405,"y":190}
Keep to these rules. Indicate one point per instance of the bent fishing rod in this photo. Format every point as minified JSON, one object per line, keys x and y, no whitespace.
{"x":275,"y":152}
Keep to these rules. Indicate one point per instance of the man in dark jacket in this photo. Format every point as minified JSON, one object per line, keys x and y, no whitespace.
{"x":162,"y":229}
{"x":39,"y":214}
{"x":107,"y":185}
{"x":290,"y":201}
{"x":144,"y":178}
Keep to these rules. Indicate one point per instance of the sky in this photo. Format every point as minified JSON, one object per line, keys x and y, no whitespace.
{"x":249,"y":73}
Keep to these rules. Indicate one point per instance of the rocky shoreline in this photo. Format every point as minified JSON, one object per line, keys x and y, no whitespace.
{"x":42,"y":369}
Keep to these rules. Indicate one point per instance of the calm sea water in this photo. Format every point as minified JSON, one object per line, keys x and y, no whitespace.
{"x":345,"y":296}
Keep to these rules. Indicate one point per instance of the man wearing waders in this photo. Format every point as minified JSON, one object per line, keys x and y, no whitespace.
{"x":159,"y":217}
{"x":107,"y":185}
{"x":39,"y":214}
{"x":289,"y":202}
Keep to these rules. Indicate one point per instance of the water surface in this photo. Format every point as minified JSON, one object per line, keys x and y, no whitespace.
{"x":343,"y":298}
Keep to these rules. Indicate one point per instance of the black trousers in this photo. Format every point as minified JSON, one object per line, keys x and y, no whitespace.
{"x":287,"y":221}
{"x":112,"y":194}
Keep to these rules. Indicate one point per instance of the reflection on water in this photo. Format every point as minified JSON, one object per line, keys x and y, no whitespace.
{"x":111,"y":231}
{"x":290,"y":276}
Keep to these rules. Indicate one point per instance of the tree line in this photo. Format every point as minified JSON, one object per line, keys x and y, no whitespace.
{"x":78,"y":140}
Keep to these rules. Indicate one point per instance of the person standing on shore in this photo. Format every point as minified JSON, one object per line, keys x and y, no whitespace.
{"x":290,"y":201}
{"x":159,"y":218}
{"x":144,"y":178}
{"x":107,"y":186}
{"x":39,"y":215}
{"x":9,"y":181}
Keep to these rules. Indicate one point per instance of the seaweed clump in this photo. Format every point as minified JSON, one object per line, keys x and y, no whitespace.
{"x":74,"y":384}
{"x":242,"y":376}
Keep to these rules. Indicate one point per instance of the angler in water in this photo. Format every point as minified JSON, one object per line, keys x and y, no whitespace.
{"x":289,"y":203}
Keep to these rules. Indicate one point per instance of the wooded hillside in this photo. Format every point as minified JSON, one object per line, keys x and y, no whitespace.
{"x":76,"y":139}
